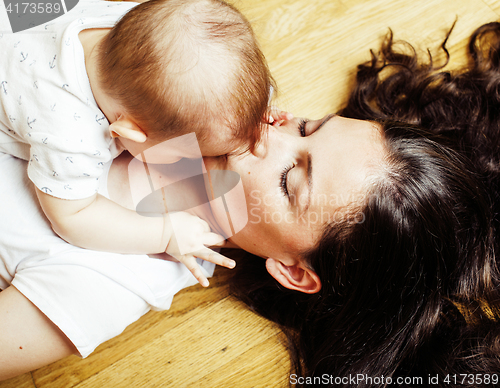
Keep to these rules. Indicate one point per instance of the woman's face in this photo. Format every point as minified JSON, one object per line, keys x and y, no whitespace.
{"x":298,"y":179}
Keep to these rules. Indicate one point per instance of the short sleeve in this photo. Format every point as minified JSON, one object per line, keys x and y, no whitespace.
{"x":65,"y":168}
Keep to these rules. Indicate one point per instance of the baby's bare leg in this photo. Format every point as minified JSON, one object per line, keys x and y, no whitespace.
{"x":28,"y":339}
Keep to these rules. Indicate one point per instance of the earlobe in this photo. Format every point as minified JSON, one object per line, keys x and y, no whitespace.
{"x":295,"y":277}
{"x":126,"y":128}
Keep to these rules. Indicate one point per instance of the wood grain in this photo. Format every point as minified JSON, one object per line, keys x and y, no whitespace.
{"x":494,"y":5}
{"x":208,"y":339}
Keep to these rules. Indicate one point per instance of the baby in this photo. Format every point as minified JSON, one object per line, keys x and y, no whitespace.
{"x":80,"y":89}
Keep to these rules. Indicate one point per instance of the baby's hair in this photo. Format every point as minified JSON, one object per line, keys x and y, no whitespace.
{"x":177,"y":66}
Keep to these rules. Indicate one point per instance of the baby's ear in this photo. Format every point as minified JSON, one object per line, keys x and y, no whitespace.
{"x":124,"y":127}
{"x":295,"y":277}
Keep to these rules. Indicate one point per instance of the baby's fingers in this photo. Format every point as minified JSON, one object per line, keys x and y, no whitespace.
{"x":192,"y":265}
{"x":215,"y":257}
{"x":276,"y":116}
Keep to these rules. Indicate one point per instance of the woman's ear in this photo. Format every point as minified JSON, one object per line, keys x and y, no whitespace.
{"x":295,"y":277}
{"x":126,"y":128}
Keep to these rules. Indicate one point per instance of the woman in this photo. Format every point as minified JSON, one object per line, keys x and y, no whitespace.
{"x":379,"y":250}
{"x":411,"y":288}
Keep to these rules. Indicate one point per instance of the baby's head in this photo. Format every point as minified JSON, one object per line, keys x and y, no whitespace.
{"x":180,"y":66}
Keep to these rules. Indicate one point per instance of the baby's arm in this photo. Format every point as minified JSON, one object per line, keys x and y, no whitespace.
{"x":101,"y":224}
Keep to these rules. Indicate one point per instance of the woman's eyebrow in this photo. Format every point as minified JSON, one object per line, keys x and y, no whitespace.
{"x":309,"y":180}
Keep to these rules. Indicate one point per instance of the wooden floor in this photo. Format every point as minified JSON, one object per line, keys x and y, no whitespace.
{"x":207,"y":339}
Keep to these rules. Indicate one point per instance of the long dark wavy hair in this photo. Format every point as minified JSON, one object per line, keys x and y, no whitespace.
{"x":413,"y":291}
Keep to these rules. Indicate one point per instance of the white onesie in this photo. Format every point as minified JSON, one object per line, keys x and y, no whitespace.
{"x":54,"y":122}
{"x":91,"y":296}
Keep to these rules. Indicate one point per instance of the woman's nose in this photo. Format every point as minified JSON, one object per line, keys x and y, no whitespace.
{"x":272,"y":138}
{"x":280,"y":139}
{"x":260,"y":150}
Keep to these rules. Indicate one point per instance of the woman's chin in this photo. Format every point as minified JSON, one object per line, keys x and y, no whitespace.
{"x":227,"y":201}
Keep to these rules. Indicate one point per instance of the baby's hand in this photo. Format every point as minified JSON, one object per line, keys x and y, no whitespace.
{"x":276,"y":116}
{"x":190,"y":240}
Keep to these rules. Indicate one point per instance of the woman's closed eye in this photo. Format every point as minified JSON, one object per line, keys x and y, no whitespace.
{"x":307,"y":127}
{"x":284,"y":180}
{"x":302,"y":127}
